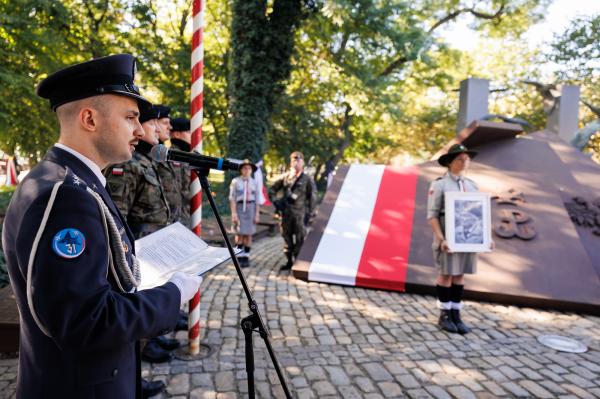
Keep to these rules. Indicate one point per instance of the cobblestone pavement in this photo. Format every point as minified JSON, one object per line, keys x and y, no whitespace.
{"x":343,"y":342}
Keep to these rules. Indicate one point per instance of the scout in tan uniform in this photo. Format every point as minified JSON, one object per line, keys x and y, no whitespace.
{"x":451,"y":266}
{"x":243,"y":195}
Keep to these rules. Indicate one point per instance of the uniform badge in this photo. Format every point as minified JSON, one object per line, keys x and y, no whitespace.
{"x":68,"y":243}
{"x":77,"y":180}
{"x":117,"y":171}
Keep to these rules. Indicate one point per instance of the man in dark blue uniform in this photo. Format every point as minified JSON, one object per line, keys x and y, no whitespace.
{"x":70,"y":254}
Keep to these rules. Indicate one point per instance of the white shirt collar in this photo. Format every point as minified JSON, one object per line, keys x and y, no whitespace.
{"x":455,"y":177}
{"x":88,"y":162}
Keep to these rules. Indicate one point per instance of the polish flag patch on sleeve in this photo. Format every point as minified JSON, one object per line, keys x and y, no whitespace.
{"x":117,"y":171}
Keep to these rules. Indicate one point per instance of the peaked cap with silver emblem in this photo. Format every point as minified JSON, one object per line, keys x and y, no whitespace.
{"x":107,"y":75}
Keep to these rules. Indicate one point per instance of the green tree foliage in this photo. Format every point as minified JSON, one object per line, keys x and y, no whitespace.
{"x":31,"y":33}
{"x":38,"y":37}
{"x":217,"y":70}
{"x":576,"y":52}
{"x":372,"y":79}
{"x":162,"y":41}
{"x":341,"y":80}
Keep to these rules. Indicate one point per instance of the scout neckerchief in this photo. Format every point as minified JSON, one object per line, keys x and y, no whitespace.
{"x":461,"y":183}
{"x":246,"y":193}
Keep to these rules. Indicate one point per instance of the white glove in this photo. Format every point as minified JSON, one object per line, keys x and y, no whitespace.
{"x":188,"y":285}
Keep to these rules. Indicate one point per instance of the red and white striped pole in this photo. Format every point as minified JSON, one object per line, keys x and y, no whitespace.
{"x":196,"y":127}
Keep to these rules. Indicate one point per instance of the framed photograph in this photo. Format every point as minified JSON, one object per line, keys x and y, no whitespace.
{"x":468,"y":221}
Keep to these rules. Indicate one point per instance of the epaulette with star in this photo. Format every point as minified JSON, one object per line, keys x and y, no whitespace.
{"x":71,"y":179}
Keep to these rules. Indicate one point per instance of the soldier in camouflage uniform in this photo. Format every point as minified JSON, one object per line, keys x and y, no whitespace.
{"x":164,"y":122}
{"x":181,"y":139}
{"x":137,"y":190}
{"x":135,"y":186}
{"x":166,"y":170}
{"x":299,"y":197}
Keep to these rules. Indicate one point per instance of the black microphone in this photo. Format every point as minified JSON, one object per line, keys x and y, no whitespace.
{"x":161,"y":153}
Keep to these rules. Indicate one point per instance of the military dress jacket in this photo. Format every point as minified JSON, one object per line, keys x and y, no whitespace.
{"x":78,"y":325}
{"x":136,"y":189}
{"x":302,"y":199}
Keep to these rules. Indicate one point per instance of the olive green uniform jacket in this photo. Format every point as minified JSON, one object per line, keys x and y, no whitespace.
{"x":300,"y":207}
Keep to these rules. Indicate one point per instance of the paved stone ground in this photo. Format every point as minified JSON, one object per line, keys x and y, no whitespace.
{"x":343,"y":342}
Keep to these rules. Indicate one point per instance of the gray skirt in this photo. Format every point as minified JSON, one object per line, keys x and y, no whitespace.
{"x":246,"y":226}
{"x":454,"y":264}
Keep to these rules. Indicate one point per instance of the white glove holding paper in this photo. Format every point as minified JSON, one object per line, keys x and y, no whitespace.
{"x":175,"y":248}
{"x":188,"y":285}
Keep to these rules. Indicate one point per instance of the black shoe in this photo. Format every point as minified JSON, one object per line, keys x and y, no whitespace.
{"x":167,"y":344}
{"x":182,"y":325}
{"x":445,"y":322}
{"x":288,"y":264}
{"x":153,"y":353}
{"x":460,"y":326}
{"x":183,"y":315}
{"x":243,"y":261}
{"x":151,"y":388}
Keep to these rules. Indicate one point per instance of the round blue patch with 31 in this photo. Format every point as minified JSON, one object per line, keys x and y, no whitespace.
{"x":68,"y":243}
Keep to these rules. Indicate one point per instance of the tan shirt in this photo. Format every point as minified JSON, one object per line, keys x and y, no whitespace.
{"x":448,"y":182}
{"x":240,"y":186}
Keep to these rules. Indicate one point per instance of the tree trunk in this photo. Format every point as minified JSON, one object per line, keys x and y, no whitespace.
{"x":261,"y":50}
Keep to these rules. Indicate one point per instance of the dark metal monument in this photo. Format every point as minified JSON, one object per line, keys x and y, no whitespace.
{"x":545,"y":223}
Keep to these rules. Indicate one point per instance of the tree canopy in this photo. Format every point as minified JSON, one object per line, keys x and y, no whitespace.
{"x":341,"y":80}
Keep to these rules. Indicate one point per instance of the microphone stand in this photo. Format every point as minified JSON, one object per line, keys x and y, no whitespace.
{"x":253,"y":322}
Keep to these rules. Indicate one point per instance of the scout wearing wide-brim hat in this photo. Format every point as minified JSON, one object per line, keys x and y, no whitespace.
{"x":107,"y":75}
{"x":247,"y":162}
{"x":453,"y":152}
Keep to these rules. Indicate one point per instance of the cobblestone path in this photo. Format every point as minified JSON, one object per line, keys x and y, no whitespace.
{"x":344,"y":342}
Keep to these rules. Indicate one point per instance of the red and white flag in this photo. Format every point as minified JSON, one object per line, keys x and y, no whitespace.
{"x":11,"y":173}
{"x":366,"y":241}
{"x":263,"y":198}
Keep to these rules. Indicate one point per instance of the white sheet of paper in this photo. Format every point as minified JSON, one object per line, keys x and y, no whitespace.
{"x":175,"y":248}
